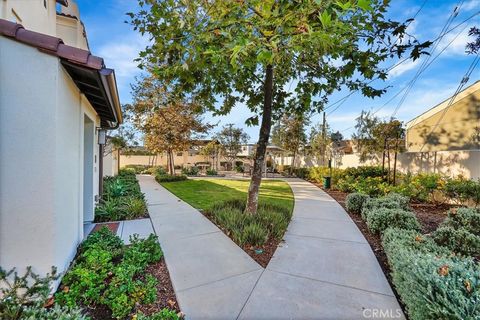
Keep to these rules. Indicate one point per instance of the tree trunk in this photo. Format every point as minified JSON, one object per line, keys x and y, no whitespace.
{"x":395,"y":163}
{"x":171,"y":166}
{"x":252,"y":199}
{"x":383,"y":158}
{"x":292,"y":166}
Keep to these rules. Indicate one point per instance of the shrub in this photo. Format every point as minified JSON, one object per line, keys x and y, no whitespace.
{"x":211,"y":172}
{"x":135,"y":208}
{"x":316,"y":174}
{"x":191,"y":171}
{"x":23,"y":297}
{"x":170,"y":178}
{"x":378,"y":220}
{"x":467,"y":218}
{"x":458,"y":240}
{"x":365,"y":172}
{"x":384,"y":202}
{"x":302,"y":173}
{"x":354,"y":202}
{"x":121,"y":198}
{"x":463,"y":190}
{"x":137,"y":168}
{"x":271,"y":221}
{"x":254,"y":234}
{"x":108,"y":273}
{"x":432,"y":283}
{"x":103,"y":239}
{"x":403,"y":201}
{"x":164,"y":314}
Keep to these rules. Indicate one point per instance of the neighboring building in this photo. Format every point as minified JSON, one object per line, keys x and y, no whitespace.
{"x":185,"y":158}
{"x":56,"y":98}
{"x":450,"y":125}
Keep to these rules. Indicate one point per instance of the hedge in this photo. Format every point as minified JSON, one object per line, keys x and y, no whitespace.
{"x":432,"y":283}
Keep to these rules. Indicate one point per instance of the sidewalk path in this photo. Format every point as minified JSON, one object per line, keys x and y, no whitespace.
{"x":325,"y":269}
{"x":211,"y":275}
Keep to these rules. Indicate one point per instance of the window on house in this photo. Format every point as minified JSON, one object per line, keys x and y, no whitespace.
{"x":179,"y":154}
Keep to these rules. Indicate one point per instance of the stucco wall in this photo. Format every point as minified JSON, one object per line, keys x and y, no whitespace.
{"x":27,"y":156}
{"x":41,"y":160}
{"x":32,"y":14}
{"x":161,"y":160}
{"x":447,"y":129}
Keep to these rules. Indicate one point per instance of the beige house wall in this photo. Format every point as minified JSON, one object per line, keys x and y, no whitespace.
{"x":458,"y":125}
{"x":185,"y":159}
{"x":32,"y":14}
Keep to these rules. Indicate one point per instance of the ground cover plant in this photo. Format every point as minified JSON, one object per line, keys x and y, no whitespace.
{"x":223,"y":202}
{"x":27,"y":296}
{"x":121,"y":198}
{"x":108,"y":279}
{"x":436,"y":274}
{"x":433,"y":283}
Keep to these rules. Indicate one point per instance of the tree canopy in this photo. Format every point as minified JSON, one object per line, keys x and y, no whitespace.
{"x":231,"y":138}
{"x":274,"y":56}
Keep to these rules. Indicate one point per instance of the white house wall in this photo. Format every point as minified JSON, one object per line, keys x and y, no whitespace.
{"x":41,"y":159}
{"x":27,"y":156}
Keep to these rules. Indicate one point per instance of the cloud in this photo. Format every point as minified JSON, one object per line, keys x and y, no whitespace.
{"x":119,"y":54}
{"x":471,"y":5}
{"x":402,"y":68}
{"x":456,"y":42}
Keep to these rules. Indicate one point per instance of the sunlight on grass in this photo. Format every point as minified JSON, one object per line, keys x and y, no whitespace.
{"x":202,"y":194}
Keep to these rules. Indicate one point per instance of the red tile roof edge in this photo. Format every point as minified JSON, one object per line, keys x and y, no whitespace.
{"x":50,"y":44}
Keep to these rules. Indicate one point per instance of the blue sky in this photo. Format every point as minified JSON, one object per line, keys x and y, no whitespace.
{"x":115,"y":41}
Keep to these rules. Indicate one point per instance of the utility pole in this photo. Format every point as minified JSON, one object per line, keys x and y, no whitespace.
{"x":324,"y":137}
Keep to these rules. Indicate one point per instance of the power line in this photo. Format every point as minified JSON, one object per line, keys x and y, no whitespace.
{"x":341,"y":101}
{"x":463,"y":81}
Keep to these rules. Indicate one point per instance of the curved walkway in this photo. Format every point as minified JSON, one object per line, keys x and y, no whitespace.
{"x":325,"y":269}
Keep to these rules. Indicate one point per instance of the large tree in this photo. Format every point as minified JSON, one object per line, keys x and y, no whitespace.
{"x":289,"y":134}
{"x":275,"y":56}
{"x":231,"y":138}
{"x":168,"y":124}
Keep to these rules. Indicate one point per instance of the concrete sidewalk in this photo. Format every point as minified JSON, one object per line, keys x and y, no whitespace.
{"x":211,"y":275}
{"x":324,"y":270}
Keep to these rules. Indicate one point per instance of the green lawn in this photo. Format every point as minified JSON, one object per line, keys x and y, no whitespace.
{"x":202,"y":194}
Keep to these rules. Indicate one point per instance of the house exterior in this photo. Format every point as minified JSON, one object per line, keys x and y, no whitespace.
{"x":448,"y":126}
{"x":56,"y":100}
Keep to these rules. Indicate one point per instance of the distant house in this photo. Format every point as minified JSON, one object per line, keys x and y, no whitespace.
{"x":56,"y":101}
{"x":448,"y":126}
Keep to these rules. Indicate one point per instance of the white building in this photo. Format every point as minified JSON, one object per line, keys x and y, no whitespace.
{"x":55,"y":98}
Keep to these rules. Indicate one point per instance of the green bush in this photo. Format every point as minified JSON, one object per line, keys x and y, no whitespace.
{"x":403,"y":201}
{"x":211,"y":172}
{"x":317,"y":174}
{"x":463,"y":190}
{"x":191,"y":171}
{"x":23,"y":297}
{"x":108,"y":273}
{"x":468,"y":218}
{"x":365,"y":172}
{"x":458,"y":240}
{"x":302,"y":173}
{"x":169,"y":178}
{"x":431,"y":282}
{"x":354,"y":202}
{"x":383,"y":202}
{"x":271,"y":221}
{"x":254,"y":234}
{"x":378,"y":220}
{"x":121,"y":199}
{"x":137,"y":168}
{"x":164,"y":314}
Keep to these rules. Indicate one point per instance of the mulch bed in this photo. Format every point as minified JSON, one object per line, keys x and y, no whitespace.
{"x":268,"y":249}
{"x":165,"y":294}
{"x":429,"y":216}
{"x":262,"y":255}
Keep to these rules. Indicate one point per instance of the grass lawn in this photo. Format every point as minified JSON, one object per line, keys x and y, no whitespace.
{"x":202,"y":194}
